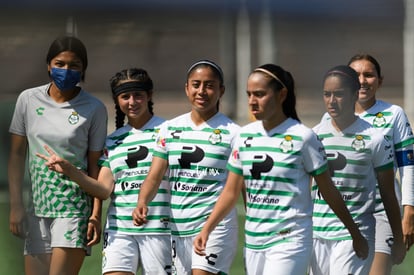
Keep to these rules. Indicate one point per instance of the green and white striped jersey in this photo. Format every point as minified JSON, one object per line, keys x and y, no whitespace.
{"x":394,"y":124}
{"x":70,"y":129}
{"x":354,"y":156}
{"x":128,"y":154}
{"x":276,"y":166}
{"x":197,"y":157}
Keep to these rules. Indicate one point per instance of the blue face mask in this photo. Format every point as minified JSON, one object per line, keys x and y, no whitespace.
{"x":65,"y":79}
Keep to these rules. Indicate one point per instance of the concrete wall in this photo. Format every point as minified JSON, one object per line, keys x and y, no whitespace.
{"x":310,"y":36}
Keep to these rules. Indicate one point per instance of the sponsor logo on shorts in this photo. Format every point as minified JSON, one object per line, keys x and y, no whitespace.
{"x":390,"y":241}
{"x":211,"y":259}
{"x":68,"y":235}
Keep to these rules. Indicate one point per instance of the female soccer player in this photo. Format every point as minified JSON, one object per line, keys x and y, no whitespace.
{"x":394,"y":123}
{"x":125,"y":164}
{"x":359,"y":158}
{"x":60,"y":226}
{"x":195,"y":147}
{"x":275,"y":157}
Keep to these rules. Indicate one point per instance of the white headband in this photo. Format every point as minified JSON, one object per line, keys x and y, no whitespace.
{"x":270,"y":74}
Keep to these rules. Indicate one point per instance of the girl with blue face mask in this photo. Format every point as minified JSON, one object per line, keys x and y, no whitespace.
{"x":65,"y":79}
{"x":66,"y":69}
{"x":60,"y":221}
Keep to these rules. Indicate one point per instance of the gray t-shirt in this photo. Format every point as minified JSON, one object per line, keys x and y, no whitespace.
{"x":71,"y":129}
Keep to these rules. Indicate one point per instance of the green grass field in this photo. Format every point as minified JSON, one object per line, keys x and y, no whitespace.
{"x":11,"y":260}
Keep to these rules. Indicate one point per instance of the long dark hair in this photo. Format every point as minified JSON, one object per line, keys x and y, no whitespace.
{"x":279,"y":79}
{"x":70,"y":44}
{"x":131,"y":75}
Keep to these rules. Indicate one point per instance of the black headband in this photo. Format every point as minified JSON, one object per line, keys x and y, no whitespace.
{"x":131,"y":86}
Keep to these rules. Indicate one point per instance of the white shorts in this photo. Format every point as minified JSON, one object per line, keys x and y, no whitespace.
{"x":127,"y":253}
{"x":43,"y":234}
{"x":282,"y":259}
{"x":383,"y":234}
{"x":221,"y":249}
{"x":339,"y":258}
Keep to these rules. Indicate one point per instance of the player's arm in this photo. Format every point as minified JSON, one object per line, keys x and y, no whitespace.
{"x":333,"y":197}
{"x":94,"y":225}
{"x":404,"y":155}
{"x":391,"y":205}
{"x":149,"y":189}
{"x":226,"y":201}
{"x":16,"y":169}
{"x":244,"y":195}
{"x":408,"y":225}
{"x":100,"y":188}
{"x":405,"y":162}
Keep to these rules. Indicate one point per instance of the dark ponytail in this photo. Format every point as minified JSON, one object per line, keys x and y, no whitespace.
{"x":282,"y":79}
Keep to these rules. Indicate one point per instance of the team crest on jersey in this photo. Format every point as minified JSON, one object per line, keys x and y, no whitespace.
{"x":73,"y":118}
{"x":286,"y":145}
{"x":358,"y":144}
{"x":215,"y":137}
{"x":379,"y":120}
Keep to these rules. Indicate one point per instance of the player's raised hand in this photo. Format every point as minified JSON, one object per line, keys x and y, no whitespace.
{"x":56,"y":163}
